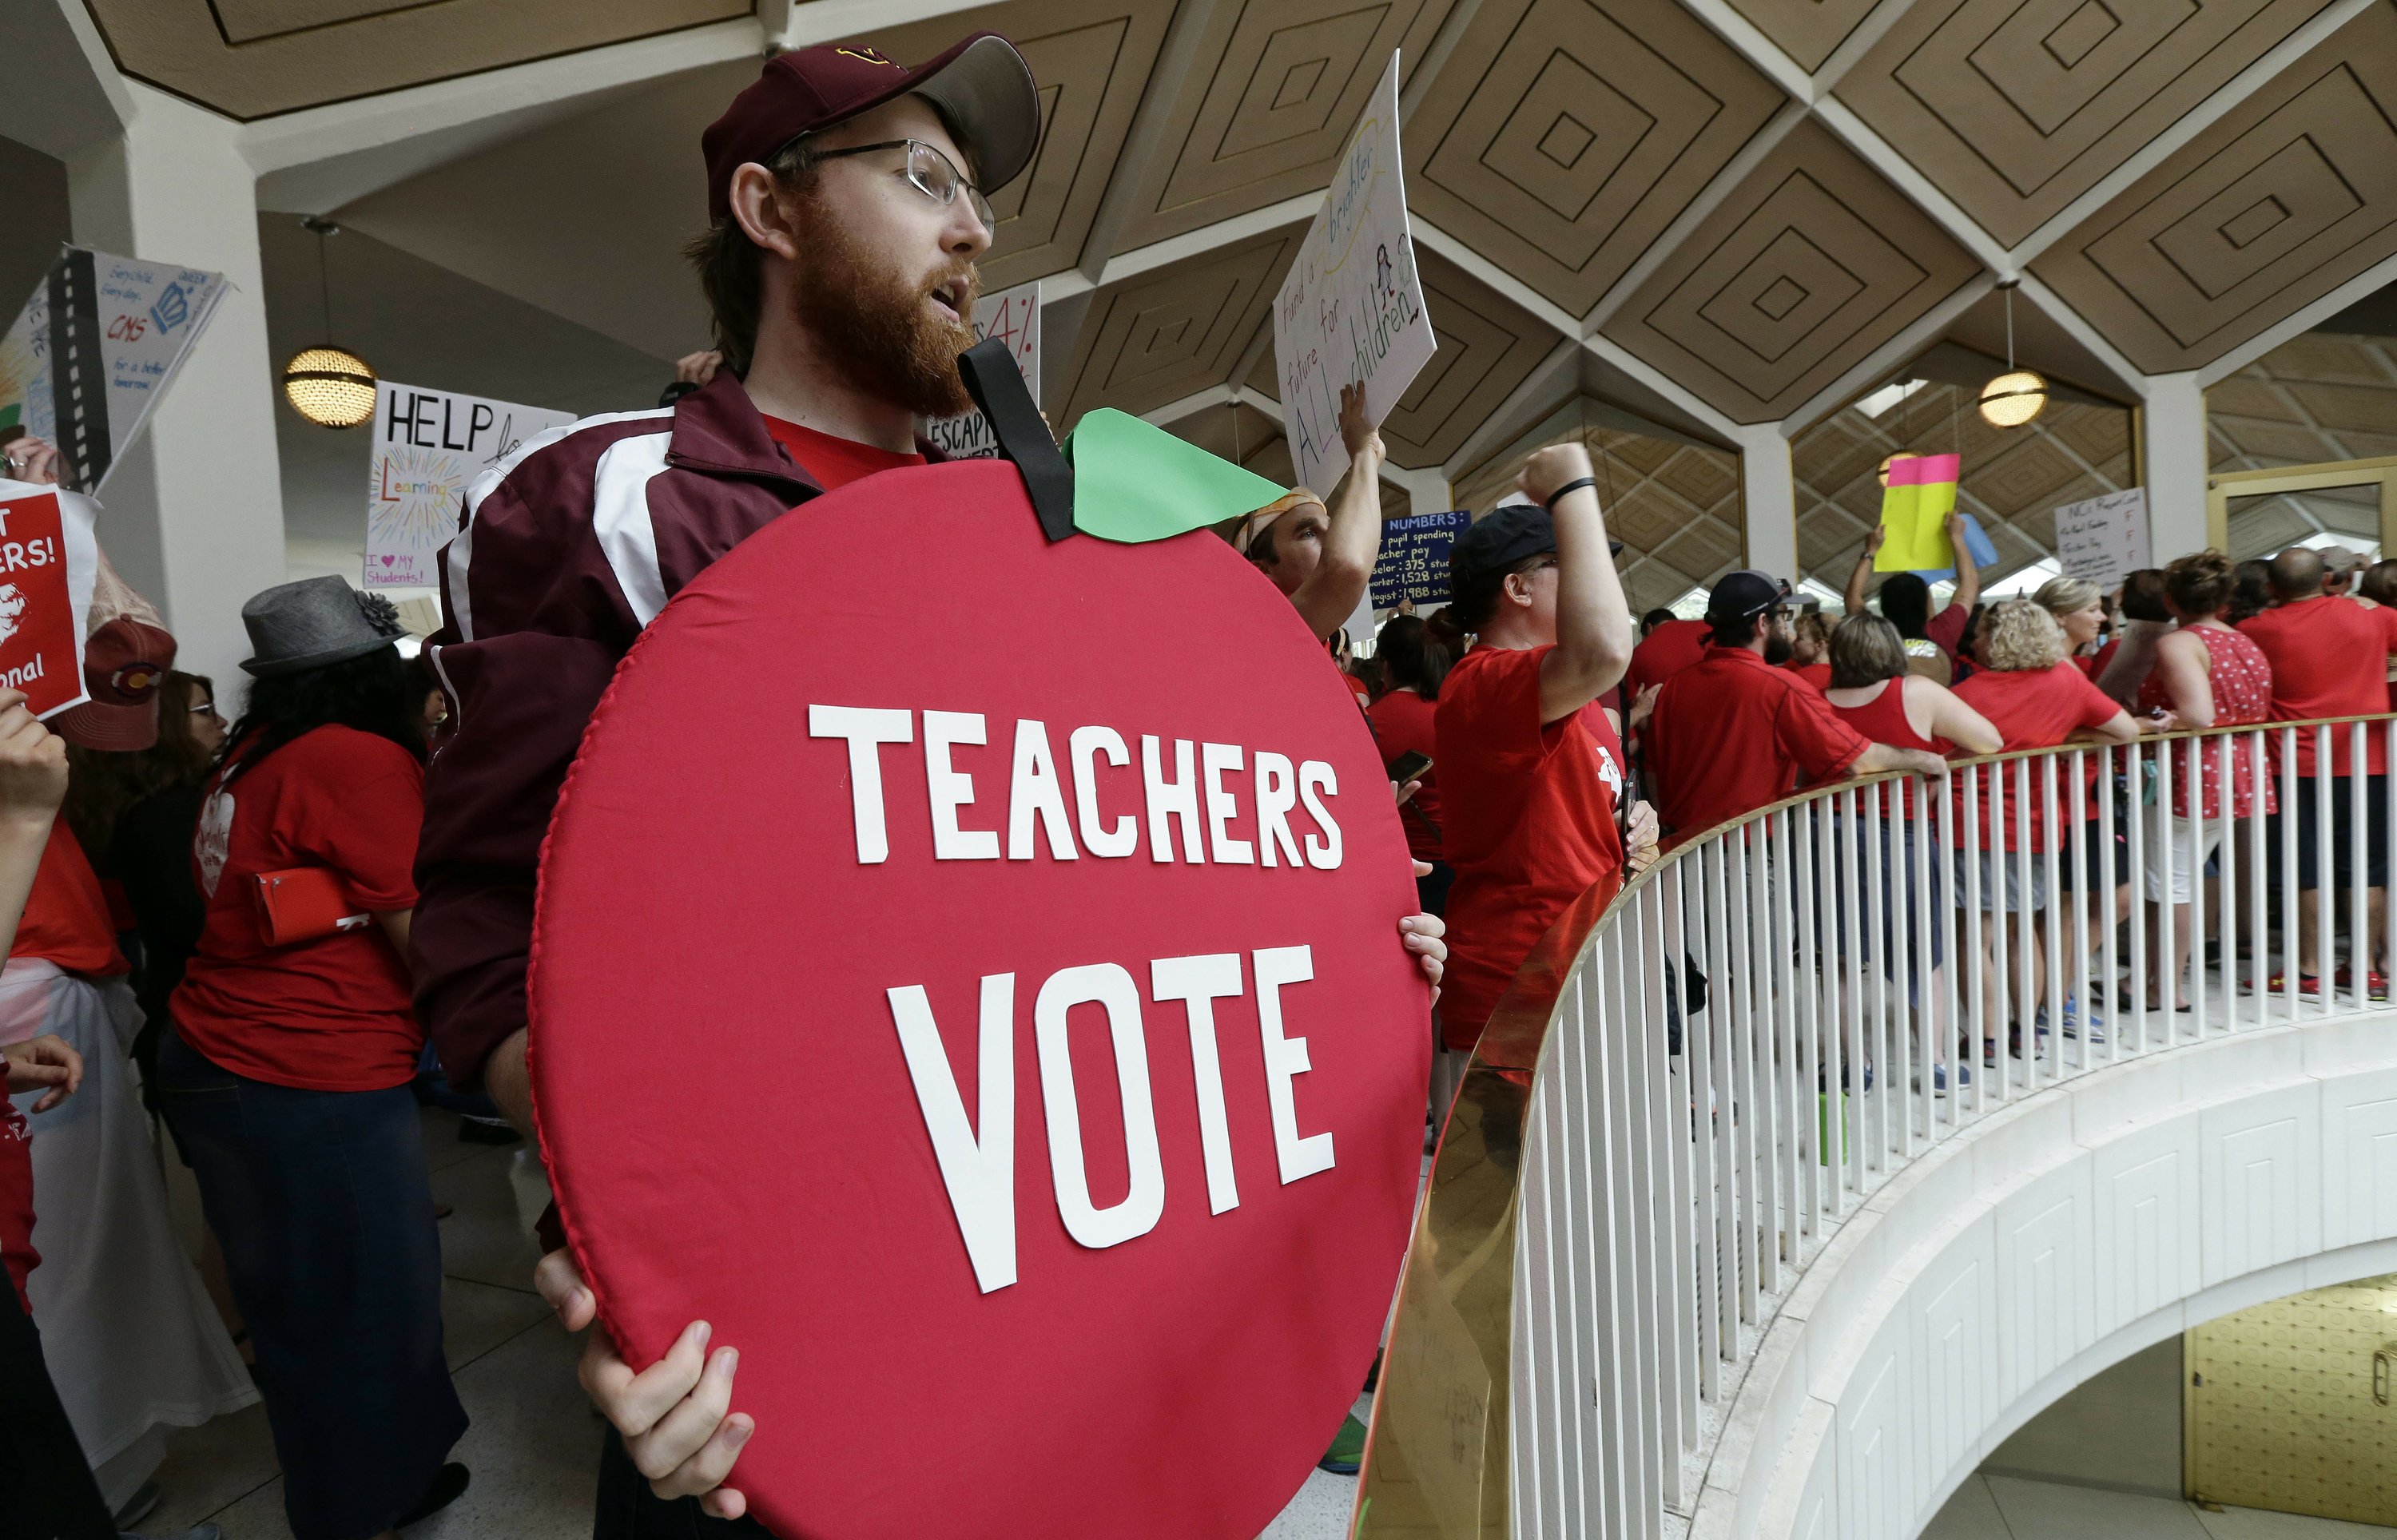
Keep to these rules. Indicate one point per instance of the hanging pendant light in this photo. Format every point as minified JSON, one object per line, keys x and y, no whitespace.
{"x":2017,"y":395}
{"x":326,"y":384}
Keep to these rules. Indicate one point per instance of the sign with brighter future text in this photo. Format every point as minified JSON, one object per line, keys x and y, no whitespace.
{"x":1352,"y":307}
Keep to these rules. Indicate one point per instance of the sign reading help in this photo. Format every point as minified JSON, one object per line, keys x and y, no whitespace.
{"x":1352,"y":307}
{"x":1015,"y":1060}
{"x":1013,"y":316}
{"x":429,"y":446}
{"x":2103,"y":541}
{"x":48,"y":562}
{"x":1413,"y":564}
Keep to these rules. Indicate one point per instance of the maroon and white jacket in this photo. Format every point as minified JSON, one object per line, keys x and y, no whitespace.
{"x":571,"y":545}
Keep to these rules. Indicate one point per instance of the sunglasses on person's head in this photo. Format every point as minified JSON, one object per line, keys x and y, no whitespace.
{"x":931,"y":173}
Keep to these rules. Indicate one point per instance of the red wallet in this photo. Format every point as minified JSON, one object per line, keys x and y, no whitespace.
{"x":303,"y":903}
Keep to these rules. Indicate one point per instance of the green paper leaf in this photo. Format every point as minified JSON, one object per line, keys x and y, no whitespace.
{"x":1135,"y":482}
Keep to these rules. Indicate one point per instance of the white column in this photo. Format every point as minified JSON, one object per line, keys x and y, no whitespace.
{"x":193,"y":511}
{"x":2171,"y":464}
{"x":1768,"y":490}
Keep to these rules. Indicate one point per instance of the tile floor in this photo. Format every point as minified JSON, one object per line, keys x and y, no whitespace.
{"x":534,"y":1439}
{"x":2004,"y":1508}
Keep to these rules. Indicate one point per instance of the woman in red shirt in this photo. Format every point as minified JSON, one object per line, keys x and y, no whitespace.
{"x":1413,"y":666}
{"x":2080,"y":608}
{"x":1875,"y":691}
{"x":2036,"y":698}
{"x":286,"y":1077}
{"x":2206,"y":675}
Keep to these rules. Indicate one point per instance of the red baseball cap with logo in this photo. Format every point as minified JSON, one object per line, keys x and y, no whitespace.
{"x":982,"y":88}
{"x":124,"y":663}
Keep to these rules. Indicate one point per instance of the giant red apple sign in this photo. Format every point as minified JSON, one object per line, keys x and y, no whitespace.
{"x":967,"y":976}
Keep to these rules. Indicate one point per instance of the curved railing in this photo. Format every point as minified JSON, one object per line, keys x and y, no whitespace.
{"x":1687,"y":1089}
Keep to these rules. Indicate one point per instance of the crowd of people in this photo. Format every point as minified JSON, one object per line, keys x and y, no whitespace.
{"x":259,"y":933}
{"x":1765,"y":696}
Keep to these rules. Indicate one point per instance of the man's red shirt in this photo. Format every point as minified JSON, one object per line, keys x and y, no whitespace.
{"x":1675,"y":645}
{"x":1529,"y":822}
{"x":2330,"y":659}
{"x":1734,"y":733}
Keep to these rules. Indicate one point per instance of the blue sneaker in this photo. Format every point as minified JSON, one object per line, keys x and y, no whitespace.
{"x":2078,"y":1022}
{"x":1939,"y":1077}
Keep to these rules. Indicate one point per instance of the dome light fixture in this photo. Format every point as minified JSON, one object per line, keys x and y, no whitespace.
{"x":2016,"y":396}
{"x":328,"y":385}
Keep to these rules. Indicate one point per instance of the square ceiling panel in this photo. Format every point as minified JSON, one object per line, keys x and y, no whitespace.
{"x":1265,"y":102}
{"x":251,"y":58}
{"x":1806,"y":30}
{"x":1811,"y":263}
{"x":2291,"y":195}
{"x":1173,"y":331}
{"x":1488,"y":346}
{"x":1092,"y":60}
{"x":1560,"y":137}
{"x":2017,"y":107}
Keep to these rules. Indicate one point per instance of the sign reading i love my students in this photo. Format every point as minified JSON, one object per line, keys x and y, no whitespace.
{"x":991,"y":1025}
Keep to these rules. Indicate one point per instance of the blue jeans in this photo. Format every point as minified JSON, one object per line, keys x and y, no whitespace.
{"x":321,"y":1202}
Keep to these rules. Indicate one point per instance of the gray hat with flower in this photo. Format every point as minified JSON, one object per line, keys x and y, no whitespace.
{"x":314,"y":622}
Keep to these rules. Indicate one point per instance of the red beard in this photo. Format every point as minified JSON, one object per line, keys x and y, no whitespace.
{"x":875,"y":325}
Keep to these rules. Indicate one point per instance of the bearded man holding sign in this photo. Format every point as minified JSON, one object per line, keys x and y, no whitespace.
{"x":1166,"y":864}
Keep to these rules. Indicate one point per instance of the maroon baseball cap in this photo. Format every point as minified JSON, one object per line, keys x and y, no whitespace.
{"x":124,"y":663}
{"x":982,"y":88}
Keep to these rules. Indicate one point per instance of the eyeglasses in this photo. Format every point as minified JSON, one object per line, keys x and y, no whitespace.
{"x":931,"y":173}
{"x":205,"y":708}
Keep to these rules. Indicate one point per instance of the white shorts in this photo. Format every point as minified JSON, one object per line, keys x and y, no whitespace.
{"x":2190,"y":841}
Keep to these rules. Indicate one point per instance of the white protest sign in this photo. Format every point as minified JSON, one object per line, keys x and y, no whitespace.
{"x":429,"y":446}
{"x":1352,"y":307}
{"x":1013,"y":316}
{"x":95,"y":348}
{"x":2103,"y":541}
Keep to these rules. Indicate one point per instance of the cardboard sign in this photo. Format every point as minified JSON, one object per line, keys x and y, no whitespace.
{"x":429,"y":446}
{"x":1413,"y":564}
{"x":1352,"y":307}
{"x":95,"y":348}
{"x":2104,"y":539}
{"x":1914,"y":509}
{"x":48,"y":562}
{"x":1008,"y":1048}
{"x":1013,"y":315}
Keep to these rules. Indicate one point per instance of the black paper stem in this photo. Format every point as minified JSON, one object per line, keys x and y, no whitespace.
{"x":997,"y":386}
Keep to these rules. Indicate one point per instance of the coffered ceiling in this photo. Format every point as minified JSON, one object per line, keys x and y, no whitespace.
{"x":1708,"y":214}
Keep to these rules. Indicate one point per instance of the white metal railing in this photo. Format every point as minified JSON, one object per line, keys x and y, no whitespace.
{"x":1688,"y":1089}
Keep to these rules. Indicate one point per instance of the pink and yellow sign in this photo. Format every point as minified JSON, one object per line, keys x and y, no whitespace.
{"x":1914,"y":509}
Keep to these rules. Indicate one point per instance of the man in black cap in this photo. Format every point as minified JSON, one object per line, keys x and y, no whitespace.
{"x":1732,"y":733}
{"x":1530,"y":767}
{"x":848,"y":197}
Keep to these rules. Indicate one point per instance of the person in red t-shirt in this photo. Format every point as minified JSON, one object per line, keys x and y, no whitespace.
{"x":2330,"y":659}
{"x":848,"y":202}
{"x":46,"y":1482}
{"x":1734,"y":733}
{"x":2036,"y":698}
{"x":1905,"y":599}
{"x":1412,"y":667}
{"x":286,"y":1076}
{"x":1810,"y":648}
{"x":1532,"y":772}
{"x":2080,"y":608}
{"x":1668,"y":648}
